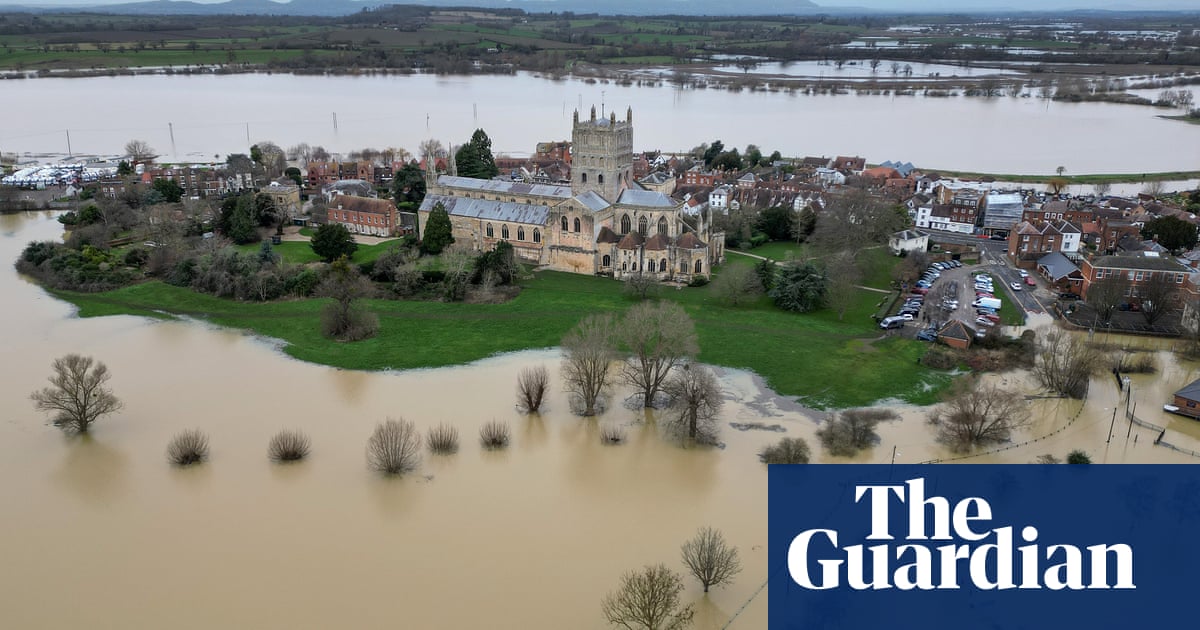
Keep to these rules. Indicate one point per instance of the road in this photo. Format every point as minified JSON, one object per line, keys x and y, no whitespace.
{"x":994,"y":260}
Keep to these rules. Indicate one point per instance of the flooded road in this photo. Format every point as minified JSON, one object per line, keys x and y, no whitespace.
{"x":102,"y":532}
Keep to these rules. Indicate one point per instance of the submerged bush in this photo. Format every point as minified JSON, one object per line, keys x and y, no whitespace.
{"x":394,"y":448}
{"x":442,"y":439}
{"x":288,"y":446}
{"x":188,"y":448}
{"x":494,"y":435}
{"x":611,"y":434}
{"x":786,"y":451}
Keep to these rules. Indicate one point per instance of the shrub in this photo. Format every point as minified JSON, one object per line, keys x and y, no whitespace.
{"x":494,"y":435}
{"x":698,"y":281}
{"x":531,"y":388}
{"x":188,"y":448}
{"x":288,"y":446}
{"x":611,"y":434}
{"x":853,"y":430}
{"x":785,"y":451}
{"x":1078,"y":457}
{"x":394,"y":448}
{"x":302,"y":284}
{"x":940,"y":358}
{"x":442,"y":439}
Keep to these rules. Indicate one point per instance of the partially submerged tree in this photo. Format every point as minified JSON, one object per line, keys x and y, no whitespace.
{"x":288,"y":446}
{"x":188,"y":448}
{"x":531,"y":388}
{"x":786,"y":451}
{"x":1078,"y":457}
{"x":659,"y":336}
{"x":588,"y":354}
{"x":648,"y":600}
{"x":975,"y":414}
{"x":710,"y":559}
{"x":1064,"y":363}
{"x":78,"y":395}
{"x":852,"y":430}
{"x":696,"y":400}
{"x":394,"y":447}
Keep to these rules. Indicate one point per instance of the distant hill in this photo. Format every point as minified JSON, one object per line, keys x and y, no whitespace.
{"x":332,"y":8}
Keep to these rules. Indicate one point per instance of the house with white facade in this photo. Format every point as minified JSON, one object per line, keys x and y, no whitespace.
{"x":908,"y":241}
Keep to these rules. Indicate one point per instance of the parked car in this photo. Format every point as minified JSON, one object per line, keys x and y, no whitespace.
{"x":991,"y":316}
{"x":1024,"y":274}
{"x":997,"y":237}
{"x":956,"y":263}
{"x":1068,"y":296}
{"x":983,"y":321}
{"x":1016,"y":286}
{"x":889,"y":323}
{"x":929,"y":334}
{"x":1029,"y":281}
{"x":920,"y":290}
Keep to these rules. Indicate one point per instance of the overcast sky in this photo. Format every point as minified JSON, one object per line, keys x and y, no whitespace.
{"x":897,"y":5}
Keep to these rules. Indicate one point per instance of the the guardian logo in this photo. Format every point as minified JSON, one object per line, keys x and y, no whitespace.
{"x":948,"y":547}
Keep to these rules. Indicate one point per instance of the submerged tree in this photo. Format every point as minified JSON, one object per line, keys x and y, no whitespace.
{"x":588,"y":354}
{"x":77,"y":396}
{"x":852,"y":430}
{"x":713,"y":561}
{"x":659,"y":337}
{"x":1106,"y":293}
{"x":974,"y":414}
{"x":696,"y":399}
{"x":394,"y":447}
{"x":1064,"y":363}
{"x":648,"y":600}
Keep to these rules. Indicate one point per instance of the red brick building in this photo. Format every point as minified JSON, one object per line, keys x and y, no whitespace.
{"x":1137,"y":270}
{"x":363,"y":215}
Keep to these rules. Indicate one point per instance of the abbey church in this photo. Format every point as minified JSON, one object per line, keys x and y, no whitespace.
{"x":604,"y":223}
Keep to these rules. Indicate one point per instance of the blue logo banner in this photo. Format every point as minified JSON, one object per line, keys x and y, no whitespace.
{"x":984,"y":546}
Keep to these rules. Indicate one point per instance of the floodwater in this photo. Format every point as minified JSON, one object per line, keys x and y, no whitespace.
{"x":197,"y":118}
{"x":102,"y":532}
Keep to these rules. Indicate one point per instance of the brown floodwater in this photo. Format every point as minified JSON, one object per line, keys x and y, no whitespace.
{"x":102,"y":532}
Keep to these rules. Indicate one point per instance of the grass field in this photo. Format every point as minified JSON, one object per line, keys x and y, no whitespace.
{"x":826,"y":362}
{"x":300,"y":252}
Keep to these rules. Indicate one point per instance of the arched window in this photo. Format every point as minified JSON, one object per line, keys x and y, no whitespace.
{"x":633,"y":266}
{"x":625,"y":225}
{"x":643,"y":225}
{"x":699,"y":267}
{"x":564,"y":224}
{"x":624,"y":266}
{"x":489,"y":231}
{"x":662,"y":225}
{"x":662,"y":265}
{"x":650,"y":266}
{"x":504,"y":232}
{"x":606,"y":261}
{"x":600,"y":178}
{"x":576,"y":224}
{"x":583,"y":177}
{"x":683,"y":266}
{"x":537,"y":235}
{"x":520,"y":232}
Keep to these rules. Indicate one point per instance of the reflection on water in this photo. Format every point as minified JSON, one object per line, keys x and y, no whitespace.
{"x":529,"y":537}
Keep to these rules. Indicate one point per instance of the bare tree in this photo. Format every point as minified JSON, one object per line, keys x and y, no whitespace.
{"x":648,"y":600}
{"x":737,"y":284}
{"x":696,"y":399}
{"x":442,"y":439}
{"x":139,"y":151}
{"x":1101,"y":189}
{"x":394,"y":447}
{"x":1157,"y":296}
{"x":187,"y":448}
{"x":855,"y":219}
{"x":974,"y":414}
{"x":659,"y":336}
{"x":910,"y":269}
{"x":431,"y":150}
{"x":844,"y":277}
{"x":288,"y":446}
{"x":710,"y":558}
{"x":77,"y":396}
{"x":1106,"y":293}
{"x":588,"y":353}
{"x":531,"y":388}
{"x":1154,"y":188}
{"x":852,"y":430}
{"x":640,"y":285}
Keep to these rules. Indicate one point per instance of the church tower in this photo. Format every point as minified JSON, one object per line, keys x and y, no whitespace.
{"x":602,"y":154}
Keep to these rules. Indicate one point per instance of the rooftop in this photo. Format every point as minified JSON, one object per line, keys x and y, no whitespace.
{"x":489,"y":210}
{"x":500,"y":186}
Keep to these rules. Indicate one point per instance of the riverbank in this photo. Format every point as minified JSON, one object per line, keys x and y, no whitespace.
{"x":825,"y":362}
{"x":1087,"y":179}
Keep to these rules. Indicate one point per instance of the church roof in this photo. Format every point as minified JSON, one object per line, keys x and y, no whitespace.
{"x":631,"y":240}
{"x":645,"y":198}
{"x":689,"y":240}
{"x":607,"y":236}
{"x":505,"y":187}
{"x":489,"y":210}
{"x":659,"y":242}
{"x":592,"y":201}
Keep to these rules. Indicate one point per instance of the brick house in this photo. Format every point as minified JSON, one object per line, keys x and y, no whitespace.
{"x":700,"y":177}
{"x":1030,"y":241}
{"x":1136,"y":269}
{"x":363,"y":215}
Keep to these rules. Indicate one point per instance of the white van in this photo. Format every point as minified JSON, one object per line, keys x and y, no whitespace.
{"x":889,"y":323}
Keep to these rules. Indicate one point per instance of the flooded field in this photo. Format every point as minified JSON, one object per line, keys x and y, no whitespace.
{"x":102,"y":532}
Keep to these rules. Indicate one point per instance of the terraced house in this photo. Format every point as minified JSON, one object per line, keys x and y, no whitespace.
{"x":604,"y":223}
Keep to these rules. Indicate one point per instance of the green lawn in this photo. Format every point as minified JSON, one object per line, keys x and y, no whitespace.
{"x":299,"y":252}
{"x":826,"y":362}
